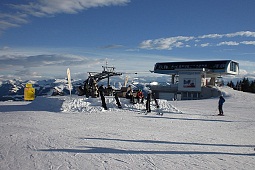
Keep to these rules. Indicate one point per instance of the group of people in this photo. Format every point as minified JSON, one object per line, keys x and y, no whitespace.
{"x":139,"y":98}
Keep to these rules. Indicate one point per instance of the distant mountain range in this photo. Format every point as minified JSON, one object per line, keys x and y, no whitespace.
{"x":14,"y":89}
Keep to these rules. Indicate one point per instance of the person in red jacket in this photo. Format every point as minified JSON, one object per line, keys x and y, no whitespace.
{"x":139,"y":96}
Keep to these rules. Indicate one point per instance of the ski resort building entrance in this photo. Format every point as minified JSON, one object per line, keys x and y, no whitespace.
{"x":193,"y":79}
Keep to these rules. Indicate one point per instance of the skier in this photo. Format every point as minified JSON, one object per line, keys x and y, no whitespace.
{"x":117,"y":99}
{"x":156,"y":101}
{"x":157,"y":105}
{"x":101,"y":92}
{"x":220,"y":105}
{"x":148,"y":102}
{"x":139,"y":96}
{"x":129,"y":94}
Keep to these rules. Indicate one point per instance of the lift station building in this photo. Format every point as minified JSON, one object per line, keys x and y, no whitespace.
{"x":193,"y":79}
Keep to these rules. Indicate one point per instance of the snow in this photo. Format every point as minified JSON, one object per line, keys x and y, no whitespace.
{"x":76,"y":133}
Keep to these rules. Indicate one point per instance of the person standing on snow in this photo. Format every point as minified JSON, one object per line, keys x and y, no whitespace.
{"x":155,"y":100}
{"x":129,"y":94}
{"x":101,"y":90}
{"x":139,"y":96}
{"x":148,"y":102}
{"x":220,"y":105}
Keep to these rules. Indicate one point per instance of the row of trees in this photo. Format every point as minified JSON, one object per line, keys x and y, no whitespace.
{"x":244,"y":85}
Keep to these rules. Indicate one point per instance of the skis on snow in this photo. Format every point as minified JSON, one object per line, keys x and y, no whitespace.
{"x":157,"y":110}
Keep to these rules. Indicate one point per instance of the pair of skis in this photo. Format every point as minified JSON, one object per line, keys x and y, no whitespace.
{"x":157,"y":110}
{"x":146,"y":112}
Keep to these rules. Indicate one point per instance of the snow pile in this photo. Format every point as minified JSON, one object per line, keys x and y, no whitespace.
{"x":76,"y":104}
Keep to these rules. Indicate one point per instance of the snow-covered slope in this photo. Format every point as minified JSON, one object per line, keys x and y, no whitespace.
{"x":75,"y":133}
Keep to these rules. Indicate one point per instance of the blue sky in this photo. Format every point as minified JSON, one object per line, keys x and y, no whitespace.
{"x":42,"y":38}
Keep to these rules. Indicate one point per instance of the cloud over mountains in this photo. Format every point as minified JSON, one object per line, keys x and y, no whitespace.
{"x":201,"y":41}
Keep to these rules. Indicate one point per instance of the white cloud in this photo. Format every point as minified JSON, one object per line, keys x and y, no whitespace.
{"x":46,"y":7}
{"x":210,"y":36}
{"x":165,"y":43}
{"x":248,"y":42}
{"x":27,"y":72}
{"x":241,"y":33}
{"x":229,"y":35}
{"x":4,"y":48}
{"x":23,"y":65}
{"x":111,"y":46}
{"x":16,"y":18}
{"x":12,"y":20}
{"x":4,"y":25}
{"x":205,"y":45}
{"x":42,"y":60}
{"x":229,"y":43}
{"x":242,"y":72}
{"x":246,"y":68}
{"x":147,"y":44}
{"x":244,"y":63}
{"x":188,"y":41}
{"x":41,"y":8}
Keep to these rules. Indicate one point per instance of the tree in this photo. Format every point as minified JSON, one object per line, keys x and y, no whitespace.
{"x":245,"y":85}
{"x":231,"y":84}
{"x":252,"y":86}
{"x":238,"y":86}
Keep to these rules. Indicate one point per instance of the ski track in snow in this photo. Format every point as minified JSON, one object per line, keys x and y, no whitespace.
{"x":76,"y":133}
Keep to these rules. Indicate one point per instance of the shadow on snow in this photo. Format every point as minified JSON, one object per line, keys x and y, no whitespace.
{"x":208,"y":120}
{"x":100,"y":150}
{"x":167,"y":142}
{"x":39,"y":104}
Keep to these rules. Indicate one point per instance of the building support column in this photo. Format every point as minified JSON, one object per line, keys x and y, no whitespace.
{"x":173,"y":76}
{"x":212,"y":81}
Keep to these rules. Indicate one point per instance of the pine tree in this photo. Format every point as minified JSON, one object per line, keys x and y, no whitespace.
{"x":245,"y":85}
{"x":252,"y":86}
{"x":231,"y":84}
{"x":238,"y":85}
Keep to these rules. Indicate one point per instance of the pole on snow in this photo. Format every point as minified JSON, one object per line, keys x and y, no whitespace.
{"x":69,"y":79}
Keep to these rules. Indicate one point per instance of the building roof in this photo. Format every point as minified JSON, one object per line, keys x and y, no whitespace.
{"x":210,"y":67}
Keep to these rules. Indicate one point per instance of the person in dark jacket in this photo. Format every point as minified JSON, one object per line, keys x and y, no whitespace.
{"x":101,"y":93}
{"x":220,"y":105}
{"x":148,"y":102}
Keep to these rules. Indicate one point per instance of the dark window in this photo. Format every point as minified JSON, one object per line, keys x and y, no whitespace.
{"x":233,"y":66}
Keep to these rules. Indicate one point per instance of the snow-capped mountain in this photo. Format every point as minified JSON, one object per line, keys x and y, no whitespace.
{"x":14,"y":89}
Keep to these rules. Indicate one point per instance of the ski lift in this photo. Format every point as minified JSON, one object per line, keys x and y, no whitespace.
{"x":90,"y":85}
